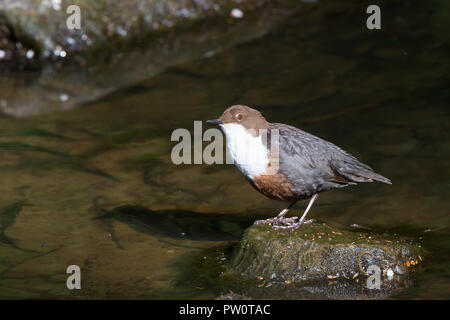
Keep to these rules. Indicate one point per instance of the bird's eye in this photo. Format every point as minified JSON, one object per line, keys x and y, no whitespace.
{"x":239,"y":117}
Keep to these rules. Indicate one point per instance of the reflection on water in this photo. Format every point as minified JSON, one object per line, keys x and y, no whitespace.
{"x":94,"y":186}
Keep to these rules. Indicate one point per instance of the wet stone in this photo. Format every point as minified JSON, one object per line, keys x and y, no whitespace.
{"x":321,"y":252}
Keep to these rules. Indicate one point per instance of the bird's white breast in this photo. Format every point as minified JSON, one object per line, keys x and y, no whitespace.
{"x":248,"y":152}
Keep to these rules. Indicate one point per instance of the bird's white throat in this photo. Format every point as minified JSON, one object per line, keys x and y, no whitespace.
{"x":248,"y":152}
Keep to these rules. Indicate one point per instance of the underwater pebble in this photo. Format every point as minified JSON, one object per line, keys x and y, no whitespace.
{"x":209,"y":54}
{"x":121,"y":31}
{"x":57,"y":51}
{"x":30,"y":54}
{"x":237,"y":13}
{"x":2,"y":54}
{"x":70,"y":40}
{"x":56,"y":4}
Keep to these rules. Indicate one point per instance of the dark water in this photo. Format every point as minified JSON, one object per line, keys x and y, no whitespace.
{"x":95,"y":186}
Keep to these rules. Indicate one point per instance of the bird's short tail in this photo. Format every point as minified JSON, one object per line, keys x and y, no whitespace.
{"x":355,"y":171}
{"x":378,"y":177}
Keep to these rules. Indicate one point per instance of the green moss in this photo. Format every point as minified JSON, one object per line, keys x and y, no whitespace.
{"x":322,"y":233}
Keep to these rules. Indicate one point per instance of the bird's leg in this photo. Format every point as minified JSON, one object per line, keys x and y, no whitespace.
{"x":280,"y":217}
{"x":313,"y":198}
{"x":296,"y":225}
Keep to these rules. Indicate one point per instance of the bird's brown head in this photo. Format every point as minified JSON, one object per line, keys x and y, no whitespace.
{"x":245,"y":116}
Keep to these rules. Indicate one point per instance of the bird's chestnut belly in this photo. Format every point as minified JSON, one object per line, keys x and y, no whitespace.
{"x":275,"y":186}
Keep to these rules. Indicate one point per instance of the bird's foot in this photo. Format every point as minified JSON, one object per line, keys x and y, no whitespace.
{"x":278,"y":220}
{"x":293,"y":226}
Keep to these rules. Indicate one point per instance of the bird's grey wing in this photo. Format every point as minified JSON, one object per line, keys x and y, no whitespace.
{"x":318,"y":164}
{"x":296,"y":147}
{"x":304,"y":158}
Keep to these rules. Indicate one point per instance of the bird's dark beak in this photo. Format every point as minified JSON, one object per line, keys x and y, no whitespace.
{"x":215,"y":121}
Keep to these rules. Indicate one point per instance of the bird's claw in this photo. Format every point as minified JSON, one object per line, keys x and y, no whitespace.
{"x":280,"y":222}
{"x":293,"y":226}
{"x":277,"y":220}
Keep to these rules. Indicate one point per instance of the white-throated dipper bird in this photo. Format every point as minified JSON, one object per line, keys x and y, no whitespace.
{"x":286,"y":163}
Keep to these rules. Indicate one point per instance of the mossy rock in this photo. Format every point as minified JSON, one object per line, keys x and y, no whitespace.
{"x":320,"y":252}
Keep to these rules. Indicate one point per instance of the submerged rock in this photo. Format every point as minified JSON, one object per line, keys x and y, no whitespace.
{"x":320,"y":252}
{"x":105,"y":22}
{"x":120,"y":43}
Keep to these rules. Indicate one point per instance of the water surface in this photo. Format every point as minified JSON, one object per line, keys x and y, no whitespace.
{"x":94,"y":186}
